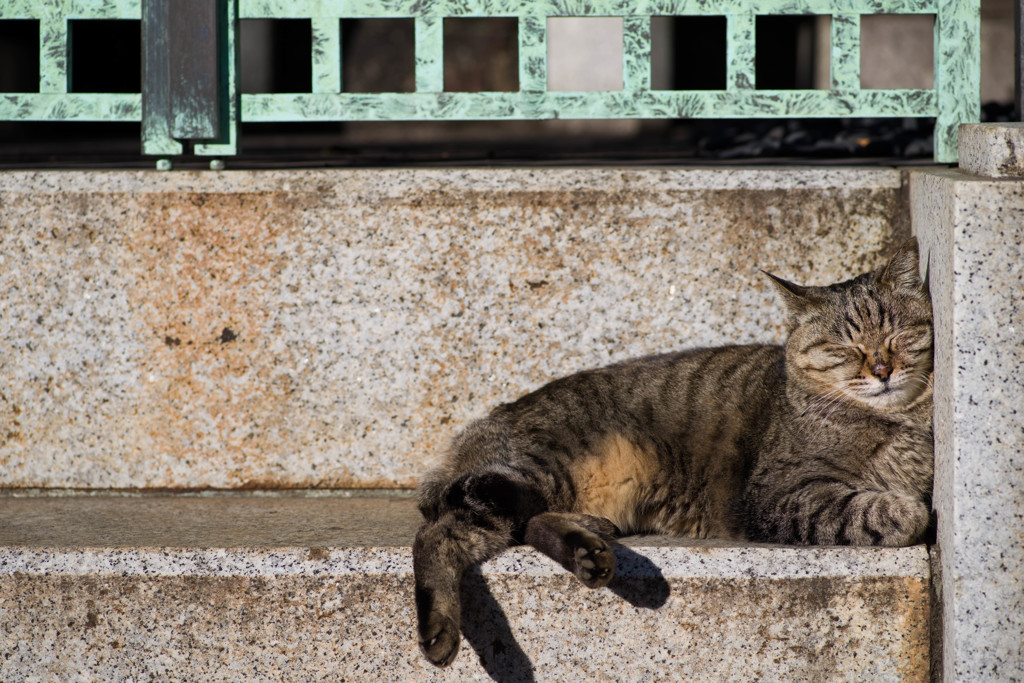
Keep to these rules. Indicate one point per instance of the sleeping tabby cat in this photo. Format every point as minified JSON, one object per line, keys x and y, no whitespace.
{"x":826,"y":440}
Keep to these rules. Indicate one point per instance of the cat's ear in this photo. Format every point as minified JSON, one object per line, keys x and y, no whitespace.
{"x":796,"y":297}
{"x":902,"y":271}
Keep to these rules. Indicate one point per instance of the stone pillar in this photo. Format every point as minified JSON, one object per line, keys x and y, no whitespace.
{"x":970,"y":223}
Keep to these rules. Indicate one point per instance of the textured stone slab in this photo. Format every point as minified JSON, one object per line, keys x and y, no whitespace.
{"x":972,"y":229}
{"x":335,"y":327}
{"x":268,"y":611}
{"x":995,"y":150}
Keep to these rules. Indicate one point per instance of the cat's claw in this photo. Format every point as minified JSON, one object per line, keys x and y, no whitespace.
{"x":439,"y":639}
{"x":594,"y":564}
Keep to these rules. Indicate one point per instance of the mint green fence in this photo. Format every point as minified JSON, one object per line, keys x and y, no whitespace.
{"x":954,"y":99}
{"x":53,"y":102}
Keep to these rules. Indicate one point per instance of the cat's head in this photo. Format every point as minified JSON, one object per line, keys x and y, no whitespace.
{"x":867,"y":340}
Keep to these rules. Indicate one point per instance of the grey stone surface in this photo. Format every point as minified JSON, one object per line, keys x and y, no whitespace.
{"x":334,"y":328}
{"x":994,"y":150}
{"x":209,"y":520}
{"x":212,"y":588}
{"x":972,"y":230}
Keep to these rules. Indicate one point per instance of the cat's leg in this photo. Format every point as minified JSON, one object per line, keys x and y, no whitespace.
{"x":882,"y":518}
{"x":833,"y":513}
{"x":580,"y":543}
{"x":443,"y":550}
{"x":478,"y":515}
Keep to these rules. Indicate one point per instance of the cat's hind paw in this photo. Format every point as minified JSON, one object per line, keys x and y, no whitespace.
{"x":593,"y":561}
{"x":439,"y":639}
{"x":580,"y":543}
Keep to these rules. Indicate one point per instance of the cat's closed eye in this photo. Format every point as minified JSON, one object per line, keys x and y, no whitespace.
{"x":828,"y":355}
{"x":913,"y":340}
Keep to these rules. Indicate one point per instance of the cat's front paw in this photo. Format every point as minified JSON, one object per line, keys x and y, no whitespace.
{"x":594,"y":561}
{"x":439,"y":639}
{"x":903,"y":520}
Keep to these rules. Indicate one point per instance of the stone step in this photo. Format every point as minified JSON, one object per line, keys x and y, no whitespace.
{"x":302,"y":587}
{"x":333,"y":328}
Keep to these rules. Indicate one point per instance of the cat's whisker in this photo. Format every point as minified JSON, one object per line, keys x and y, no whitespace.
{"x":923,"y":381}
{"x":839,"y":402}
{"x":836,"y":399}
{"x":828,"y":401}
{"x":826,"y":396}
{"x":822,"y":401}
{"x":814,"y":405}
{"x":916,"y":379}
{"x":835,"y":407}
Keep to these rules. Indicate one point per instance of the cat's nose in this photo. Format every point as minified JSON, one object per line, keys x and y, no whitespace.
{"x":881,"y":369}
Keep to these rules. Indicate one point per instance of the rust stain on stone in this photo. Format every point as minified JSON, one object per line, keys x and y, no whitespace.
{"x":213,"y":388}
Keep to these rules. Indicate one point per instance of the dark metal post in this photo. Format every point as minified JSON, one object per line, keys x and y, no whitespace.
{"x":1018,"y":61}
{"x":194,"y":68}
{"x":156,"y":99}
{"x":181,"y":80}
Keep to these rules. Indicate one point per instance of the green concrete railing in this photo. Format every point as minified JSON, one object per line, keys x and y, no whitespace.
{"x":953,"y":100}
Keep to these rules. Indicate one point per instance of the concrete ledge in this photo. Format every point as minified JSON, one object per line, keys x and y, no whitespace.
{"x":334,"y":328}
{"x":284,"y":588}
{"x":971,"y":230}
{"x":994,"y":150}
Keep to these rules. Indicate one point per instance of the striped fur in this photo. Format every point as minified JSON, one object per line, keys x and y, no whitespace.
{"x":826,"y":440}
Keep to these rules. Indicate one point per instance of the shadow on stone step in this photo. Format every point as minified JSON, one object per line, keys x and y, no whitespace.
{"x":487,"y":629}
{"x":638,"y":581}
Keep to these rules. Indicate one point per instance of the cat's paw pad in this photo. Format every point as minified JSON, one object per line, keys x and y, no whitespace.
{"x":439,"y":639}
{"x":594,"y":563}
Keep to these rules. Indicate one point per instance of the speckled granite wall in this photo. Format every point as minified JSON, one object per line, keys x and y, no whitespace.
{"x":993,"y":152}
{"x":302,"y":589}
{"x":972,"y":229}
{"x":333,"y":328}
